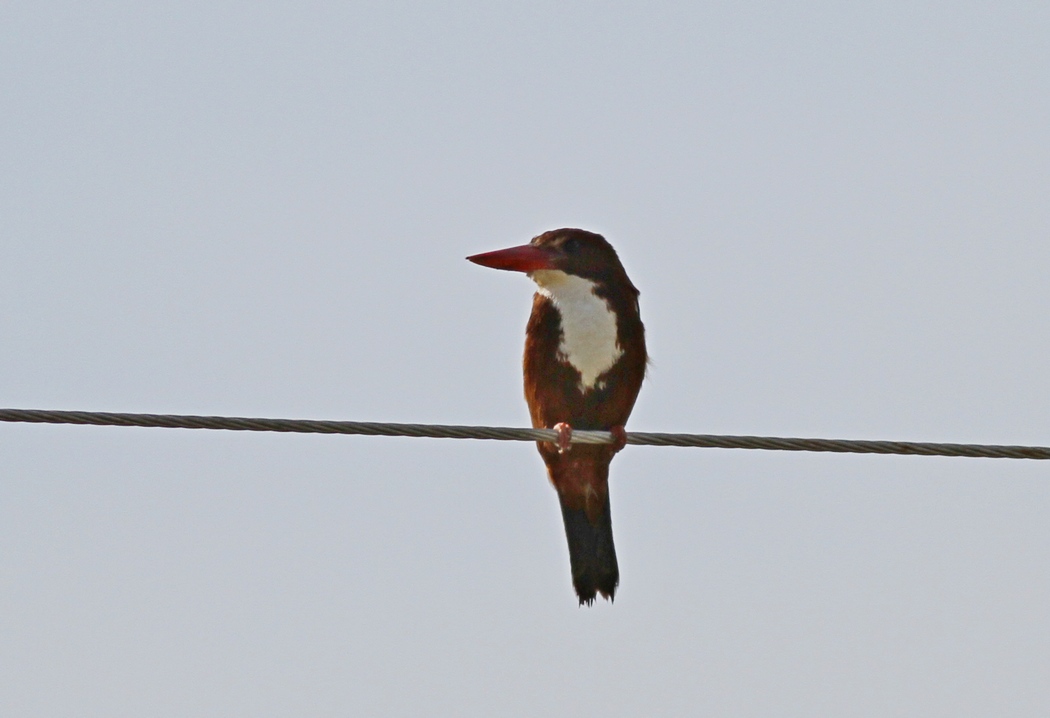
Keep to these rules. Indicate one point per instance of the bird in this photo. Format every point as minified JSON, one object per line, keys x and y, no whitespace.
{"x":584,"y":363}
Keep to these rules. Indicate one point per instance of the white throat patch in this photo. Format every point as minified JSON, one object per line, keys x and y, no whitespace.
{"x":588,"y":324}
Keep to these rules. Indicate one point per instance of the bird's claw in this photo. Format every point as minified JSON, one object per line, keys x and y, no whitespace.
{"x":564,"y":436}
{"x":619,"y":435}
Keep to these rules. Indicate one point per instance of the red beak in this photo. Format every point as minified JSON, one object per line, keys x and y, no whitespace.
{"x":525,"y":258}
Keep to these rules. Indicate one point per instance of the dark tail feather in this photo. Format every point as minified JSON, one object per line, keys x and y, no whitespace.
{"x":592,"y":555}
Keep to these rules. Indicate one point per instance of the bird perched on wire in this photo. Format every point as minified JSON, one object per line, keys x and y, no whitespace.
{"x":584,"y":363}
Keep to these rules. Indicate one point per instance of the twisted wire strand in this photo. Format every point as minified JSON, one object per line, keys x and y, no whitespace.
{"x":439,"y":431}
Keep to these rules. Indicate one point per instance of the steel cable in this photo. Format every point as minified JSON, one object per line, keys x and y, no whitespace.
{"x":439,"y":431}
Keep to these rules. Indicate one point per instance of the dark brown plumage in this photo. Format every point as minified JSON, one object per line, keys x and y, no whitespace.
{"x":584,"y":363}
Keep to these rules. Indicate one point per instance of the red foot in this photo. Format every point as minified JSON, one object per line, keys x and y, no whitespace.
{"x":619,"y":437}
{"x":564,"y":436}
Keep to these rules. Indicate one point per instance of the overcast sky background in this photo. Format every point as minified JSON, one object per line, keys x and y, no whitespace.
{"x":837,"y":214}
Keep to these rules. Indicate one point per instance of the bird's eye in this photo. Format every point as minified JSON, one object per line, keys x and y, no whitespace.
{"x":570,"y":245}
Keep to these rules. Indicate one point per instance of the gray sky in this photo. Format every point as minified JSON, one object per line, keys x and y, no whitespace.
{"x":837,"y":215}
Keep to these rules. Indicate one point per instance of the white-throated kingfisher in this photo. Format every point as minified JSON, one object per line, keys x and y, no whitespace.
{"x":584,"y":363}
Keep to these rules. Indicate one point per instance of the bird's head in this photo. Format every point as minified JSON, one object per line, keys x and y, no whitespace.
{"x":559,"y":252}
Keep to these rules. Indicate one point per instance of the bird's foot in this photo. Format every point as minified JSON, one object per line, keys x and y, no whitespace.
{"x":619,"y":435}
{"x":564,"y":436}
